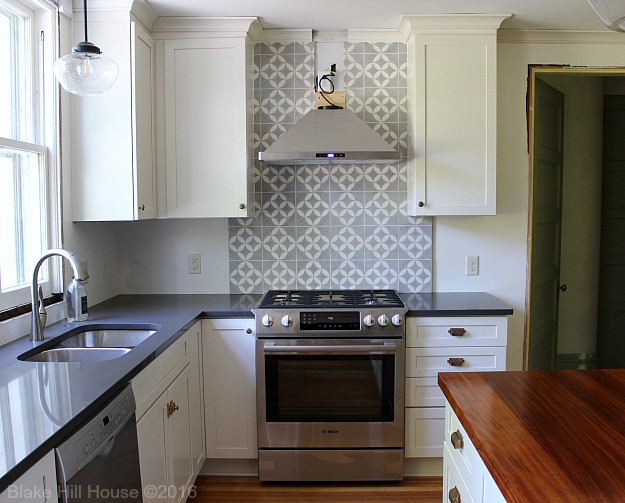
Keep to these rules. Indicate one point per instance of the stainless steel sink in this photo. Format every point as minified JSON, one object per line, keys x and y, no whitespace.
{"x":91,"y":343}
{"x":78,"y":354}
{"x":106,"y":338}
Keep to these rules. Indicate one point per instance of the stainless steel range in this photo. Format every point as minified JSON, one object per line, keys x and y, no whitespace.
{"x":330,"y":385}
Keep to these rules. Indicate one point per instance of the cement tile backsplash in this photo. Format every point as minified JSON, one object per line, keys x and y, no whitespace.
{"x":321,"y":227}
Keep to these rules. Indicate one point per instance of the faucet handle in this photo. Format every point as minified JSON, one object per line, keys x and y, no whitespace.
{"x":41,"y":310}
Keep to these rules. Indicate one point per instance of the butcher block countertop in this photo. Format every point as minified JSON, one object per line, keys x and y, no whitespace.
{"x":546,"y":435}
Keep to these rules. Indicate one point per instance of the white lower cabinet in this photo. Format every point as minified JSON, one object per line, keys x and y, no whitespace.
{"x":230,"y":388}
{"x":37,"y":485}
{"x":465,"y":477}
{"x":169,"y":420}
{"x":444,"y":344}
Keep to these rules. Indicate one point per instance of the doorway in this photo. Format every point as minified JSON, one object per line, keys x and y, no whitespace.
{"x":565,"y":126}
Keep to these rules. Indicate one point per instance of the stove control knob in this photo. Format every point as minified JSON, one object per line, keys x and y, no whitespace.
{"x":267,"y":320}
{"x":397,"y":320}
{"x":369,"y":321}
{"x":382,"y":320}
{"x":287,"y":321}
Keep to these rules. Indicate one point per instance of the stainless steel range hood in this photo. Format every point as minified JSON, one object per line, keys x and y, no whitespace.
{"x":332,"y":136}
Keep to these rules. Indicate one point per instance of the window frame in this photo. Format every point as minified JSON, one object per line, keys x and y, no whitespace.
{"x":43,"y":136}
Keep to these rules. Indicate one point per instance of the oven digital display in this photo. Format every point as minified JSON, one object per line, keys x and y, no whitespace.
{"x":329,"y":320}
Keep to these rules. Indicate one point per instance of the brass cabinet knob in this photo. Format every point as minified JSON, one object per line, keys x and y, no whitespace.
{"x":241,"y":206}
{"x":456,"y":440}
{"x":456,"y":332}
{"x":142,"y":207}
{"x":454,"y":495}
{"x":248,"y":330}
{"x":455,"y":362}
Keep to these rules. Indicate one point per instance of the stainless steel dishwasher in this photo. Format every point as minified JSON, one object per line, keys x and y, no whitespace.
{"x":100,"y":461}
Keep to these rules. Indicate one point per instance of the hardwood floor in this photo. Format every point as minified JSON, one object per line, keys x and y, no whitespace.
{"x":210,"y":489}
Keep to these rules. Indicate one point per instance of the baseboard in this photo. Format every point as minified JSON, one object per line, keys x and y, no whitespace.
{"x":576,"y":361}
{"x":413,"y":467}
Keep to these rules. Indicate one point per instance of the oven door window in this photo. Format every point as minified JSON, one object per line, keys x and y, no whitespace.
{"x":329,"y":388}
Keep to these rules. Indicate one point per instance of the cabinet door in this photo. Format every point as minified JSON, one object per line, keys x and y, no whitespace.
{"x":454,"y":127}
{"x":153,"y":453}
{"x":196,"y":404}
{"x":144,"y":161}
{"x":37,"y":485}
{"x":230,"y":388}
{"x":179,"y":423}
{"x":207,"y":126}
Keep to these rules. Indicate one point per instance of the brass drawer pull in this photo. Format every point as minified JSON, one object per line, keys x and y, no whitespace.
{"x":456,"y":440}
{"x":454,"y":495}
{"x":171,"y":408}
{"x":457,"y":332}
{"x":455,"y":362}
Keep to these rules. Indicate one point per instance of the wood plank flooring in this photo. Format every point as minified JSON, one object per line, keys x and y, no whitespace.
{"x":211,"y":489}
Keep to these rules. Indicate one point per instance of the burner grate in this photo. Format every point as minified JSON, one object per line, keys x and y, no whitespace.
{"x":330,"y":298}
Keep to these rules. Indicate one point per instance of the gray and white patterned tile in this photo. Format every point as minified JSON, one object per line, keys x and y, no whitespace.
{"x":304,"y":101}
{"x":246,"y":243}
{"x":381,"y":177}
{"x":414,"y":276}
{"x":347,"y":178}
{"x":347,"y":274}
{"x":270,"y":133}
{"x":313,"y":274}
{"x":276,"y":106}
{"x":313,"y":243}
{"x":313,"y":178}
{"x":347,"y":208}
{"x":414,"y":242}
{"x":279,"y":275}
{"x":276,"y":71}
{"x":348,"y":243}
{"x":246,"y":276}
{"x":381,"y":243}
{"x":278,"y":209}
{"x":381,"y":274}
{"x":279,"y":243}
{"x":381,"y":209}
{"x":278,"y":178}
{"x":381,"y":70}
{"x":313,"y":208}
{"x":354,"y":70}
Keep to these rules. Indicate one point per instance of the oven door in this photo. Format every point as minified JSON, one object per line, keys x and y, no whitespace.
{"x":330,"y":393}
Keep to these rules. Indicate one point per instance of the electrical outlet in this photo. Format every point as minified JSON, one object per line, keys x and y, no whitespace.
{"x":472,"y":265}
{"x":195,"y":263}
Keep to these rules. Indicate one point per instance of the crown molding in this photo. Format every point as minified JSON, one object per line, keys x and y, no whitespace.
{"x":470,"y":24}
{"x":219,"y":26}
{"x":560,"y":37}
{"x":282,"y":35}
{"x":108,"y":10}
{"x":363,"y":35}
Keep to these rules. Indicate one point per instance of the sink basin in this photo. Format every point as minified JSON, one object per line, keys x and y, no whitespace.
{"x":91,"y":343}
{"x":106,"y":338}
{"x":78,"y":354}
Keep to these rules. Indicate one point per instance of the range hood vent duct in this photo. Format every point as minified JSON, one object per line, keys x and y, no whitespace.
{"x":331,"y":136}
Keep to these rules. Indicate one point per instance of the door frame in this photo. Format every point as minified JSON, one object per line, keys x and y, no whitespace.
{"x":535,"y":71}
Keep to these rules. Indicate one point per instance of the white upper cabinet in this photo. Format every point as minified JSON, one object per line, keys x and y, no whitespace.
{"x":453,"y":114}
{"x":206,"y":163}
{"x":114,"y":163}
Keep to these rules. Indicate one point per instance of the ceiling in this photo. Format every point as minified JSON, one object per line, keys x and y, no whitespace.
{"x":326,"y":15}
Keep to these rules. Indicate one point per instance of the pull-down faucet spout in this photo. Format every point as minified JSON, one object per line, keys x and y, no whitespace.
{"x":39,"y":313}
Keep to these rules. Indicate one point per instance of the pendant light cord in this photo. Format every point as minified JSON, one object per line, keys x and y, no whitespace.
{"x":85,"y":12}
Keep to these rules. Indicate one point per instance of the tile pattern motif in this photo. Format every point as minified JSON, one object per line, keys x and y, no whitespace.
{"x":330,"y":227}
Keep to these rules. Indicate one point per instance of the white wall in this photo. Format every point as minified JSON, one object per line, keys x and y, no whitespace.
{"x":581,"y":211}
{"x":153,"y":256}
{"x":501,"y":240}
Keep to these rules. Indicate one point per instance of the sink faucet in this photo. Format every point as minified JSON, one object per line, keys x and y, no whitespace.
{"x":39,"y":312}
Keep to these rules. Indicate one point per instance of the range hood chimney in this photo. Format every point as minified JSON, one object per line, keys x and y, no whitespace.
{"x":329,"y":135}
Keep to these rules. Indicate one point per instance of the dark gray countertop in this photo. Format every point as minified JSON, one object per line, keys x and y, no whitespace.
{"x":42,"y":403}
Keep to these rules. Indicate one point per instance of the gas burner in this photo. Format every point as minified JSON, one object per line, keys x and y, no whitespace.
{"x":330,"y":298}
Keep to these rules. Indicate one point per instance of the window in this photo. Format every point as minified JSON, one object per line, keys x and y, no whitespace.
{"x":28,"y":175}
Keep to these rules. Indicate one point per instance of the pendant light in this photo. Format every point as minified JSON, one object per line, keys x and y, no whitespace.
{"x":85,"y":72}
{"x":611,"y":12}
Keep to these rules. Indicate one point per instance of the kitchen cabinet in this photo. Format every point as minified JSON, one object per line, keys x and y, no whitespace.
{"x":453,"y":114}
{"x":445,"y":344}
{"x":230,"y":388}
{"x":207,"y":161}
{"x":37,"y":485}
{"x":465,"y":476}
{"x":114,"y":163}
{"x":169,"y":420}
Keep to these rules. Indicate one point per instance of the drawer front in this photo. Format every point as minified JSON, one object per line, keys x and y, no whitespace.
{"x":423,"y":392}
{"x":425,"y":432}
{"x":456,"y":331}
{"x":453,"y":481}
{"x":465,"y":457}
{"x":428,"y":362}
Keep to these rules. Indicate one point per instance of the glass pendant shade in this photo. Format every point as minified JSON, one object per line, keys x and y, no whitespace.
{"x":86,"y":73}
{"x":611,"y":12}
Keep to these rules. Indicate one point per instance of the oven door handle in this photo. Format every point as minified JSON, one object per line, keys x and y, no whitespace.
{"x":356,"y":349}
